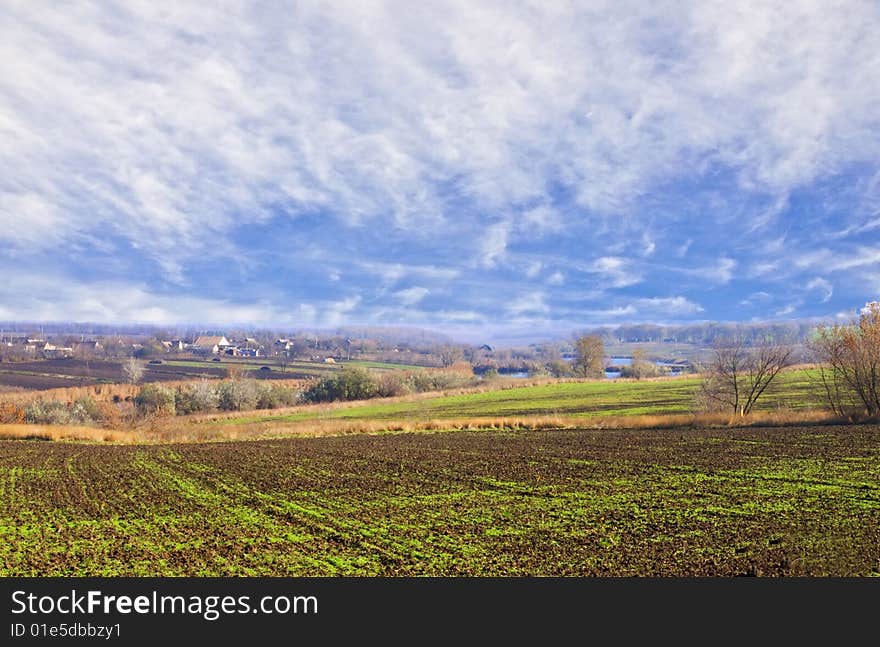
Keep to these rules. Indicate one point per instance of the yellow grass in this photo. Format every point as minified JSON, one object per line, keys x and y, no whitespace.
{"x":175,"y":430}
{"x":62,"y":432}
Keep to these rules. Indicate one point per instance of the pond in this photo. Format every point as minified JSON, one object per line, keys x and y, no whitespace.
{"x":611,"y":362}
{"x":616,"y":362}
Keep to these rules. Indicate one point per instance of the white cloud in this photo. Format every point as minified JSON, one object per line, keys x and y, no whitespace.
{"x":756,"y":298}
{"x":116,"y":302}
{"x":823,"y":286}
{"x":494,"y":244}
{"x":533,"y":269}
{"x":763,"y":268}
{"x":338,"y":312}
{"x":411,"y":296}
{"x":723,"y":272}
{"x":476,"y":129}
{"x":835,"y":261}
{"x":531,"y":303}
{"x":682,"y":251}
{"x":615,"y":271}
{"x":613,"y":313}
{"x":720,"y":272}
{"x":677,"y":306}
{"x":540,"y":220}
{"x":170,"y":125}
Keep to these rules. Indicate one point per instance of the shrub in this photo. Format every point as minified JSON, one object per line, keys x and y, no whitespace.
{"x":47,"y":413}
{"x":85,"y":409}
{"x":559,"y":368}
{"x":389,"y":385}
{"x":155,"y":399}
{"x":272,"y":396}
{"x":641,"y":370}
{"x":198,"y":397}
{"x":349,"y":384}
{"x":422,"y":381}
{"x":237,"y":395}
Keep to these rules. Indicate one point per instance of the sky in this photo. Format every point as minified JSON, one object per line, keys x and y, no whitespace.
{"x":486,"y":169}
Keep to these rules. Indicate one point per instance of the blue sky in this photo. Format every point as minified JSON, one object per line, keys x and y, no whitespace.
{"x":488,"y":169}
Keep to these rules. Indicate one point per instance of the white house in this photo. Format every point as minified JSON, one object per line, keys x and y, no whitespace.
{"x":51,"y":351}
{"x":210,"y":345}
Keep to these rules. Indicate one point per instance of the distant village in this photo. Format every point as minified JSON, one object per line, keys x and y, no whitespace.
{"x":327,"y":348}
{"x":214,"y":345}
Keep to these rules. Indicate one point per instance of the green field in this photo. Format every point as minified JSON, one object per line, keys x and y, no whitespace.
{"x":317,"y":369}
{"x":770,"y":501}
{"x":793,"y":389}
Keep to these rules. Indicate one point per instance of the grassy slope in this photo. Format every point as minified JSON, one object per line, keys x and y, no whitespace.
{"x":580,"y":399}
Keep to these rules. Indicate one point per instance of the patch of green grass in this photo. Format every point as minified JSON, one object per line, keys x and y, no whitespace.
{"x":793,"y":389}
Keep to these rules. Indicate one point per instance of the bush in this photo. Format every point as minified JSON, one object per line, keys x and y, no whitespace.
{"x":48,"y":412}
{"x":389,"y":385}
{"x":348,"y":384}
{"x":360,"y":384}
{"x":641,"y":370}
{"x":423,"y":381}
{"x":199,"y":397}
{"x":53,"y":412}
{"x":237,"y":395}
{"x":274,"y":396}
{"x":86,"y":409}
{"x":155,"y":399}
{"x":559,"y":368}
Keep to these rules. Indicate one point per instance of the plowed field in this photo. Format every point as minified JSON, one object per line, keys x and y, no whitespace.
{"x":786,"y":501}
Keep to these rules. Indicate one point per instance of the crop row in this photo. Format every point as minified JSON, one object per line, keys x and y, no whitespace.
{"x":575,"y":502}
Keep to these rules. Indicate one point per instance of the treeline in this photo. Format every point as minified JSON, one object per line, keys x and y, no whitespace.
{"x":709,"y":333}
{"x":359,"y":384}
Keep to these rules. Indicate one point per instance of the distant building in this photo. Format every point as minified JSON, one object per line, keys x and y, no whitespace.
{"x":87,"y":347}
{"x":210,"y":345}
{"x":51,"y":351}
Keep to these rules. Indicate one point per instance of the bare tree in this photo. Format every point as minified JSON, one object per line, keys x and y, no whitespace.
{"x":589,"y":356}
{"x":738,"y":376}
{"x":449,"y":355}
{"x":850,"y":375}
{"x":133,"y":370}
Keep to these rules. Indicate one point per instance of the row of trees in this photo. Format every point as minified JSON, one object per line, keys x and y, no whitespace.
{"x":847,"y":358}
{"x":709,"y":333}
